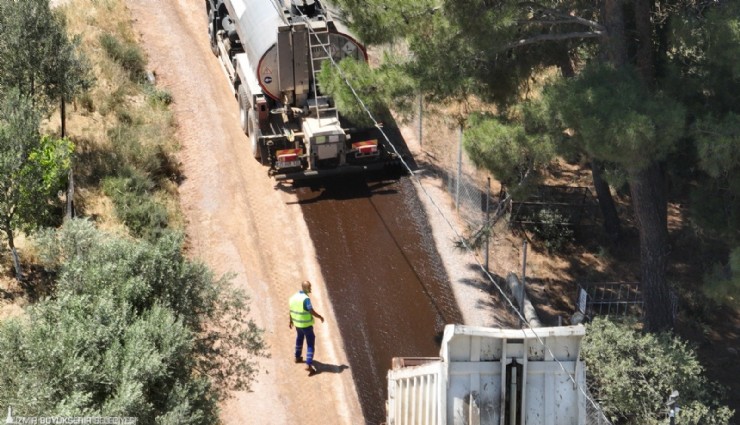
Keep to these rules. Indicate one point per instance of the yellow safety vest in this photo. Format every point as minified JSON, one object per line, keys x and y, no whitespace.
{"x":301,"y":318}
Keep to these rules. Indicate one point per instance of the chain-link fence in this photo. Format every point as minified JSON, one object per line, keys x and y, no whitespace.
{"x":477,"y":203}
{"x":594,"y":414}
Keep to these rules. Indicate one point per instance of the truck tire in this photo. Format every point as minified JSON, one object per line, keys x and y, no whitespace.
{"x":212,"y":29}
{"x":244,"y":108}
{"x":254,"y":137}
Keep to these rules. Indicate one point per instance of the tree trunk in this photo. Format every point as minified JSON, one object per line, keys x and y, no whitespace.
{"x":650,"y":206}
{"x":603,"y":194}
{"x":14,"y":253}
{"x":612,"y":224}
{"x":614,"y":45}
{"x":645,"y":57}
{"x":63,"y":115}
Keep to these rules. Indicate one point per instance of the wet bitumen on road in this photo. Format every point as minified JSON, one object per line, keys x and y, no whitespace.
{"x":390,"y":293}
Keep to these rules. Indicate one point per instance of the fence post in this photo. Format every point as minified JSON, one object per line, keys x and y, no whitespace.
{"x":487,"y":223}
{"x":459,"y":169}
{"x":524,"y":270}
{"x":421,"y":114}
{"x":70,"y":213}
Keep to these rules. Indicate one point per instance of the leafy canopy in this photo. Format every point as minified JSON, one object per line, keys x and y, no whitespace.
{"x":635,"y":372}
{"x":503,"y":146}
{"x":633,"y":128}
{"x":36,"y":55}
{"x":32,"y":168}
{"x":134,"y":329}
{"x":377,"y":88}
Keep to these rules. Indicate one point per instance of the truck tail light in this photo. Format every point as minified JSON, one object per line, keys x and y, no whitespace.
{"x":365,"y":148}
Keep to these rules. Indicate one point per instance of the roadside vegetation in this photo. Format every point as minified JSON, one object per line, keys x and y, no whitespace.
{"x":641,"y":95}
{"x":111,"y":318}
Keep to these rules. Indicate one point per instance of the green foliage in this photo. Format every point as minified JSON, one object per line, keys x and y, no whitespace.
{"x":722,"y":283}
{"x":54,"y":158}
{"x":461,"y":48}
{"x":632,"y":129}
{"x":159,"y":97}
{"x":382,"y":21}
{"x":716,"y":202}
{"x":50,"y":66}
{"x":718,"y":144}
{"x":137,"y":147}
{"x":132,"y":331}
{"x":552,"y":229}
{"x":135,"y":205}
{"x":128,"y":55}
{"x":377,"y":88}
{"x":32,"y":169}
{"x":635,"y":372}
{"x":709,"y":84}
{"x":83,"y":355}
{"x":503,"y":147}
{"x":445,"y":65}
{"x":135,"y":186}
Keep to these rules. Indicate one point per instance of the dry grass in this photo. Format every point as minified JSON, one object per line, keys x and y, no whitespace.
{"x":121,"y":123}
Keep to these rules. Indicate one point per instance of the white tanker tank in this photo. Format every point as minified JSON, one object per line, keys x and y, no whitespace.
{"x":272,"y":53}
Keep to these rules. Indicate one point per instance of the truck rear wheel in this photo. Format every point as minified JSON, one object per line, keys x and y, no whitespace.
{"x":254,"y":137}
{"x":244,"y":109}
{"x":212,"y":29}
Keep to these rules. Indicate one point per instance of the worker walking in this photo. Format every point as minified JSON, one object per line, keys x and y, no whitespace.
{"x":301,"y":315}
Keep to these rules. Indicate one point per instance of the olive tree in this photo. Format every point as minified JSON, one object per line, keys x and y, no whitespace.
{"x":38,"y":57}
{"x":32,"y":169}
{"x":134,"y":329}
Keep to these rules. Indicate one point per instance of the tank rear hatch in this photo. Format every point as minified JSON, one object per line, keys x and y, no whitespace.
{"x":277,"y":45}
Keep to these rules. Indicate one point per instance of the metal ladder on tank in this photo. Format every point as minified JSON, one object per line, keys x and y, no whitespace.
{"x":318,"y":39}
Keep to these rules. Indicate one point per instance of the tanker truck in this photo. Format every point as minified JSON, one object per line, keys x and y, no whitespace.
{"x":272,"y":53}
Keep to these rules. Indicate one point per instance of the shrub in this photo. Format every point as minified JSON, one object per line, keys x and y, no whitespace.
{"x":128,"y":55}
{"x":633,"y":374}
{"x":159,"y":97}
{"x":130,"y":332}
{"x":144,"y":216}
{"x":552,"y":229}
{"x":127,"y":143}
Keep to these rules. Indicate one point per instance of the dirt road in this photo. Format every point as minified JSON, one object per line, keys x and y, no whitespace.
{"x":239,"y":223}
{"x":232,"y":210}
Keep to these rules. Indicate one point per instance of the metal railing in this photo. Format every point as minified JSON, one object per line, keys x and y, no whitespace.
{"x":610,"y":299}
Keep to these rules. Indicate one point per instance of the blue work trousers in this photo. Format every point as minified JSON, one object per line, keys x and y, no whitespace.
{"x":308,"y":334}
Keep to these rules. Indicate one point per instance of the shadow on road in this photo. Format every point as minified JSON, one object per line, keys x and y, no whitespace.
{"x":329,"y":368}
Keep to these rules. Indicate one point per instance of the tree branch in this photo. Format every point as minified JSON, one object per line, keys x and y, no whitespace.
{"x":553,"y":37}
{"x":546,"y":21}
{"x":567,"y":17}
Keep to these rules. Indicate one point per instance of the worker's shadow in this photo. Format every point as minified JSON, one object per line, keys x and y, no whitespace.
{"x":329,"y":368}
